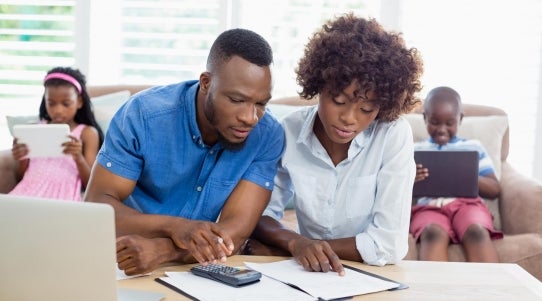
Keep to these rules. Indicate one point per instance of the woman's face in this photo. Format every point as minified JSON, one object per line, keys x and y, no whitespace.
{"x":347,"y":114}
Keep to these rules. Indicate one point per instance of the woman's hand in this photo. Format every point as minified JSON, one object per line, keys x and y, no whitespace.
{"x":315,"y":255}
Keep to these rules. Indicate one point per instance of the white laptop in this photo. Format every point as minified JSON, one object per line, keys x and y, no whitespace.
{"x":59,"y":250}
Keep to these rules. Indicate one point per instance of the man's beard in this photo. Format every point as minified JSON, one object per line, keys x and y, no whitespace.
{"x":209,"y":112}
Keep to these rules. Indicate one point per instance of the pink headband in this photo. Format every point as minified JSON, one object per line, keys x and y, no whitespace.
{"x":65,"y":77}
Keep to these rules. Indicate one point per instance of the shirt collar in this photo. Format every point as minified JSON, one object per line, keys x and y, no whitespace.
{"x":189,"y":99}
{"x":306,"y":135}
{"x":454,"y":139}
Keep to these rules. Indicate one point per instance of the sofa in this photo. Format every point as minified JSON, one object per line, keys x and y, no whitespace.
{"x":517,"y":212}
{"x":105,"y":98}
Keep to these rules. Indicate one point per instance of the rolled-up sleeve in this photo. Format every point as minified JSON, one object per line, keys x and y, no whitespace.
{"x":385,"y":240}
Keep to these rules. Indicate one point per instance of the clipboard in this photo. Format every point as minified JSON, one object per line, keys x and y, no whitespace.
{"x":177,"y":289}
{"x":42,"y":140}
{"x":401,"y":286}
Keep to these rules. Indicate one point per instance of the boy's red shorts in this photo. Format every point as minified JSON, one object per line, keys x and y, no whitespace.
{"x":454,"y":218}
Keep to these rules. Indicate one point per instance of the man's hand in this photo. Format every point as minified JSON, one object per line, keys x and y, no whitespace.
{"x":421,"y":173}
{"x":206,"y":241}
{"x":315,"y":255}
{"x":139,"y":255}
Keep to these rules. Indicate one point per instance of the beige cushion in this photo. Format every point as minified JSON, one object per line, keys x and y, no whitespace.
{"x":489,"y":130}
{"x":281,"y":110}
{"x":21,"y":119}
{"x":105,"y":107}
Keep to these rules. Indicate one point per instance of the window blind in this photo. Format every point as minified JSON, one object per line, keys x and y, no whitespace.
{"x":34,"y":35}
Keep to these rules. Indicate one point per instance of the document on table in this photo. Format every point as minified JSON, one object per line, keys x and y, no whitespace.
{"x":323,"y":285}
{"x":121,"y":275}
{"x":199,"y":288}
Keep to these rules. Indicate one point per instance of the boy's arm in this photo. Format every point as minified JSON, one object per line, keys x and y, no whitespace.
{"x":488,"y":186}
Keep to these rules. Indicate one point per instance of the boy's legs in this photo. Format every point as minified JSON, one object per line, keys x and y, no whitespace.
{"x":473,"y":223}
{"x":434,"y":230}
{"x":434,"y":243}
{"x":478,"y":245}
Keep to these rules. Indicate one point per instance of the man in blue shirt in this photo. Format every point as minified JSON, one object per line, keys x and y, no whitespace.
{"x":189,"y":167}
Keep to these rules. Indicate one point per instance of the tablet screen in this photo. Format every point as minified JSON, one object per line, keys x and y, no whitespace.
{"x":451,"y":174}
{"x":42,"y":140}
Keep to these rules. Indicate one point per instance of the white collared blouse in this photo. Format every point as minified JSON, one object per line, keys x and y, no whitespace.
{"x":367,"y":196}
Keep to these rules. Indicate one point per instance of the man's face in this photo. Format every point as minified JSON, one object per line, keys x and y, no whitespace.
{"x":236,"y":95}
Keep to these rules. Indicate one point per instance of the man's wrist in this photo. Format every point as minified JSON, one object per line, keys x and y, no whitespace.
{"x":170,"y":252}
{"x":171,"y":226}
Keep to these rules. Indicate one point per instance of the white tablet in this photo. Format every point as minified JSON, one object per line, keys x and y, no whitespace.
{"x":42,"y":140}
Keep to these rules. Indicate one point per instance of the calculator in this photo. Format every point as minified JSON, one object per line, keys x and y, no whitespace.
{"x":228,"y":275}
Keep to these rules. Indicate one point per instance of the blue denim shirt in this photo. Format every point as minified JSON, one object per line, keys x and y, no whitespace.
{"x":154,"y":139}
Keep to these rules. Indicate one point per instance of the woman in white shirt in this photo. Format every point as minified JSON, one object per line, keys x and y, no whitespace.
{"x":348,"y":166}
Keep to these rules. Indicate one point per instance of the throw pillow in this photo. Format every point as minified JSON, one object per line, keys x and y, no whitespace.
{"x":280,"y":110}
{"x":22,"y":119}
{"x":489,"y":130}
{"x":105,"y":107}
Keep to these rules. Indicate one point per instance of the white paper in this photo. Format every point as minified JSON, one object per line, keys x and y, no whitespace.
{"x":209,"y":290}
{"x":322,"y":285}
{"x":121,"y":275}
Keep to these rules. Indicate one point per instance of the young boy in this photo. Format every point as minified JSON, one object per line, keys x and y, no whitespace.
{"x":348,"y":164}
{"x":437,"y":221}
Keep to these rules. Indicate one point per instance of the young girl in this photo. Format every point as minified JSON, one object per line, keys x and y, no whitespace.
{"x":348,"y":165}
{"x":65,"y":100}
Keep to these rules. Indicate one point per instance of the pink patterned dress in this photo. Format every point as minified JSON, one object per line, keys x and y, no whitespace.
{"x":56,"y":178}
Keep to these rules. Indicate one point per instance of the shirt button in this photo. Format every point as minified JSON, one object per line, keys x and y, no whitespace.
{"x":211,"y":152}
{"x":199,"y":188}
{"x":267,"y":184}
{"x":108,"y":164}
{"x":194,"y":137}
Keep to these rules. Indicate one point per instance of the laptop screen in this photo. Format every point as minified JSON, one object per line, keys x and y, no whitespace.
{"x":56,"y":250}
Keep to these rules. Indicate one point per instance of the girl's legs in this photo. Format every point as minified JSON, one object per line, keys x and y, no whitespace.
{"x":434,"y":242}
{"x":478,"y":245}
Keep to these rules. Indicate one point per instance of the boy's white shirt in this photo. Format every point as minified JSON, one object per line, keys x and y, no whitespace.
{"x":367,"y":196}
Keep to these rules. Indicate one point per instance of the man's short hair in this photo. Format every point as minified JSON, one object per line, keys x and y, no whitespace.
{"x":240,"y":42}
